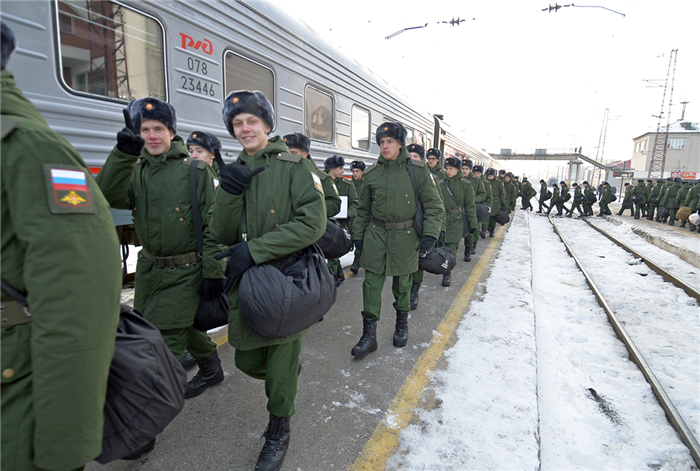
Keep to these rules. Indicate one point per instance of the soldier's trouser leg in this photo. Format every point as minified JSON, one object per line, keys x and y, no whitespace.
{"x":278,"y":366}
{"x":417,"y":276}
{"x":651,"y":211}
{"x":336,"y":268}
{"x":471,"y":240}
{"x":492,"y":222}
{"x":637,"y":209}
{"x":672,"y":213}
{"x":196,"y":342}
{"x":372,"y":287}
{"x":401,"y":287}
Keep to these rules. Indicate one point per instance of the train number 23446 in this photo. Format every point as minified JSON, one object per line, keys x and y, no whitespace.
{"x":199,"y":86}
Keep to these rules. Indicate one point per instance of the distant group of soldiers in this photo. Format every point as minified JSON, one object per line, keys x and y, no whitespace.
{"x":662,"y":201}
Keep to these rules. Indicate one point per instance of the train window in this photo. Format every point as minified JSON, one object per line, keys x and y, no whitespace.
{"x":244,"y":74}
{"x":359,"y":129}
{"x":318,"y":110}
{"x":110,"y":50}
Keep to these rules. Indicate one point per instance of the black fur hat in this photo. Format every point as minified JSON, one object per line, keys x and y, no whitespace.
{"x":392,"y":129}
{"x":358,"y":164}
{"x":245,"y":101}
{"x":542,"y":181}
{"x":334,"y":161}
{"x":555,"y":184}
{"x":585,"y":182}
{"x":650,"y":181}
{"x":562,"y":183}
{"x":524,"y":178}
{"x":509,"y":175}
{"x":574,"y":184}
{"x":501,"y":172}
{"x":7,"y":44}
{"x":627,"y":184}
{"x":478,"y":168}
{"x":677,"y":180}
{"x":204,"y":139}
{"x":299,"y":141}
{"x":467,"y":163}
{"x":153,"y":108}
{"x":516,"y":177}
{"x":418,"y":149}
{"x":435,"y":152}
{"x":660,"y":180}
{"x":490,"y":171}
{"x":453,"y":162}
{"x":641,"y":180}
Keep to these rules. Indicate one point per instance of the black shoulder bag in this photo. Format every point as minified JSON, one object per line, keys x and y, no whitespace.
{"x":418,"y":220}
{"x":211,"y":313}
{"x":465,"y":223}
{"x":145,"y":387}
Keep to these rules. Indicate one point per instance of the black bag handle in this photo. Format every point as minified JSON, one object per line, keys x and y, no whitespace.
{"x":13,"y":293}
{"x":196,"y":213}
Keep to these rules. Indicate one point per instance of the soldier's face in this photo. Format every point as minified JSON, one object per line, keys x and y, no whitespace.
{"x":157,"y":136}
{"x":414,"y":156}
{"x":432,"y":161}
{"x":251,"y":132}
{"x":477,"y":174}
{"x":200,"y":153}
{"x":451,"y":171}
{"x":389,"y":148}
{"x":465,"y":171}
{"x":357,"y":173}
{"x":298,"y":152}
{"x":336,"y":172}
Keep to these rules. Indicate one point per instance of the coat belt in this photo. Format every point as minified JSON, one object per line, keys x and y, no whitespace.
{"x":187,"y":259}
{"x":393,"y":226}
{"x":13,"y":313}
{"x":454,"y":211}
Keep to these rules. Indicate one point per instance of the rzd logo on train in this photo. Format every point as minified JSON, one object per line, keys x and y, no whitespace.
{"x":188,"y":42}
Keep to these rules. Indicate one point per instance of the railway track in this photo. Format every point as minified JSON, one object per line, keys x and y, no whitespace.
{"x":586,"y":249}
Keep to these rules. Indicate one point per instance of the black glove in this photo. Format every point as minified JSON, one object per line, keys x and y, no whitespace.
{"x":426,"y":243}
{"x":235,"y":177}
{"x":472,"y":229}
{"x":210,"y":288}
{"x":503,"y":208}
{"x":129,"y":139}
{"x":239,"y":261}
{"x":358,"y":245}
{"x":441,"y":237}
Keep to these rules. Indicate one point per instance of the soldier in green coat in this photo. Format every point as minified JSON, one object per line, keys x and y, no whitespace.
{"x":639,"y":198}
{"x":654,"y":199}
{"x":647,"y":197}
{"x":300,"y":144}
{"x":478,"y":172}
{"x":201,"y":145}
{"x":334,"y":166}
{"x":527,"y":194}
{"x":459,"y":201}
{"x":578,"y":199}
{"x":681,"y":196}
{"x":605,"y":200}
{"x":285,"y":212}
{"x":555,"y":200}
{"x":692,"y":200}
{"x":662,"y":197}
{"x":543,"y":197}
{"x":499,"y":198}
{"x":357,"y":167}
{"x":60,"y":249}
{"x":512,"y":190}
{"x":627,"y":202}
{"x":479,"y":197}
{"x":433,"y":156}
{"x":671,"y":201}
{"x":148,"y":172}
{"x":387,"y":240}
{"x":587,"y":203}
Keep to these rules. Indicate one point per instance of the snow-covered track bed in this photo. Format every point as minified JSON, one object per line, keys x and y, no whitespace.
{"x":653,"y":312}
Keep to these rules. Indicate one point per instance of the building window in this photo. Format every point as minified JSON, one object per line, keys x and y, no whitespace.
{"x":318,"y":112}
{"x":110,"y":50}
{"x":359,"y":129}
{"x":241,"y":73}
{"x":676,"y":143}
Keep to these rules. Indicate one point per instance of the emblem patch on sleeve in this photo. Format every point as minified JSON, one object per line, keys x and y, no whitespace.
{"x":68,"y":189}
{"x":336,"y":189}
{"x":216,"y":183}
{"x":432,"y":178}
{"x":317,"y":182}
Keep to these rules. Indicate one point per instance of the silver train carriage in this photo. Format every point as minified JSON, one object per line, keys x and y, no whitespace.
{"x":81,"y":61}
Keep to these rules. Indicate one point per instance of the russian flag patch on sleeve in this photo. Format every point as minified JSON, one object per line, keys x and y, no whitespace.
{"x":68,"y":189}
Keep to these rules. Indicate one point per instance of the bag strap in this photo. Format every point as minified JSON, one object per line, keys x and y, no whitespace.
{"x":411,"y":171}
{"x":196,"y":214}
{"x":452,"y":195}
{"x":13,"y":293}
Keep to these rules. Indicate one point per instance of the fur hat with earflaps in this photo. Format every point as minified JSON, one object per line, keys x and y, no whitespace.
{"x":245,"y":101}
{"x":205,"y":140}
{"x":299,"y":141}
{"x":392,"y":129}
{"x":416,"y":148}
{"x":153,"y":108}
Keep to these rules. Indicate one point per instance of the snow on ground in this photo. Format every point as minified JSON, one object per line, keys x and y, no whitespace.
{"x":672,"y":236}
{"x":537,"y":378}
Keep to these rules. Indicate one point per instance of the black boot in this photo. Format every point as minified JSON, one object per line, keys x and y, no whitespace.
{"x":446,"y":279}
{"x":467,"y":257}
{"x":276,"y":443}
{"x":682,"y":224}
{"x":355,"y":267}
{"x":368,"y":341}
{"x":401,"y":330}
{"x":339,"y":275}
{"x":670,"y":223}
{"x":473,"y":249}
{"x":188,"y":362}
{"x":491,"y":232}
{"x":209,"y":374}
{"x":482,"y":233}
{"x":414,"y":295}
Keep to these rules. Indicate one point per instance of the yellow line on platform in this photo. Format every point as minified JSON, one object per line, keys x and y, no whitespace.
{"x":385,"y":438}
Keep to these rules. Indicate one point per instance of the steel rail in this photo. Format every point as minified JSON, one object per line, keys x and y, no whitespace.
{"x":690,"y":291}
{"x":672,"y":414}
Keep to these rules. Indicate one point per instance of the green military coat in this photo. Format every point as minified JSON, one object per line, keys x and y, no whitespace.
{"x":156,"y":188}
{"x":60,"y":247}
{"x":682,"y":193}
{"x":330,"y":191}
{"x":346,"y":188}
{"x":388,"y":196}
{"x":489,"y":191}
{"x":511,"y":189}
{"x":692,"y":198}
{"x":640,"y":189}
{"x":463,"y":191}
{"x":479,"y":188}
{"x":670,"y":199}
{"x":499,"y":197}
{"x":359,"y":184}
{"x":528,"y":192}
{"x":629,"y":191}
{"x":438,"y":172}
{"x":555,"y":195}
{"x":586,"y":193}
{"x":655,"y":192}
{"x":606,"y":197}
{"x":543,"y":192}
{"x":285,"y":212}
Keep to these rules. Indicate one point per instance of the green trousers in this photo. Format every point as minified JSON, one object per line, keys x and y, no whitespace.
{"x":278,"y":366}
{"x":417,"y":276}
{"x":334,"y":265}
{"x":194,"y":341}
{"x":372,"y":293}
{"x":672,"y":213}
{"x":638,"y":209}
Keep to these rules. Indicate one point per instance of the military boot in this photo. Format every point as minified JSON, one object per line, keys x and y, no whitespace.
{"x":446,"y":279}
{"x":414,"y":295}
{"x":339,"y":275}
{"x":491,"y":234}
{"x":467,"y":256}
{"x":682,"y":224}
{"x":276,"y":443}
{"x":671,"y":222}
{"x":401,"y":330}
{"x":209,"y":374}
{"x":188,"y":362}
{"x":693,"y":227}
{"x":473,"y":249}
{"x":355,"y":267}
{"x":368,"y":341}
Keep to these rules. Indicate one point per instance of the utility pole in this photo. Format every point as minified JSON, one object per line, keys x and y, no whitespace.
{"x":600,"y":150}
{"x":658,"y":156}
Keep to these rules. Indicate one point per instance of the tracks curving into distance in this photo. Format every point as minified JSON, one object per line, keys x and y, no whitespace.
{"x":635,"y":354}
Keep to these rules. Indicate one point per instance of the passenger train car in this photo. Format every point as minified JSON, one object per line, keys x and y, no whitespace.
{"x":81,"y":61}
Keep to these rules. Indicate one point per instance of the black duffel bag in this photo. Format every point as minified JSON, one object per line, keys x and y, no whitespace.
{"x":438,"y":261}
{"x":613,"y":198}
{"x":145,"y":388}
{"x":279,"y":302}
{"x":626,"y":205}
{"x":548,"y":195}
{"x":654,"y":200}
{"x":578,"y":200}
{"x":567,"y":196}
{"x":637,"y":198}
{"x":483,"y":212}
{"x":560,"y":200}
{"x":212,"y":313}
{"x":502,"y":218}
{"x":663,"y":212}
{"x":336,"y":241}
{"x":592,"y":198}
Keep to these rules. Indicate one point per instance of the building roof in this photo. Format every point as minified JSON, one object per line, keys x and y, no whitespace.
{"x":679,"y":126}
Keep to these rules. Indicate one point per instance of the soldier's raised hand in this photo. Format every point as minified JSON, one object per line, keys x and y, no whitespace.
{"x":235,"y":177}
{"x":129,"y":139}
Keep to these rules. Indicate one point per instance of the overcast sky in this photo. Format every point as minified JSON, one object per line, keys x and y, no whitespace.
{"x":513,"y":76}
